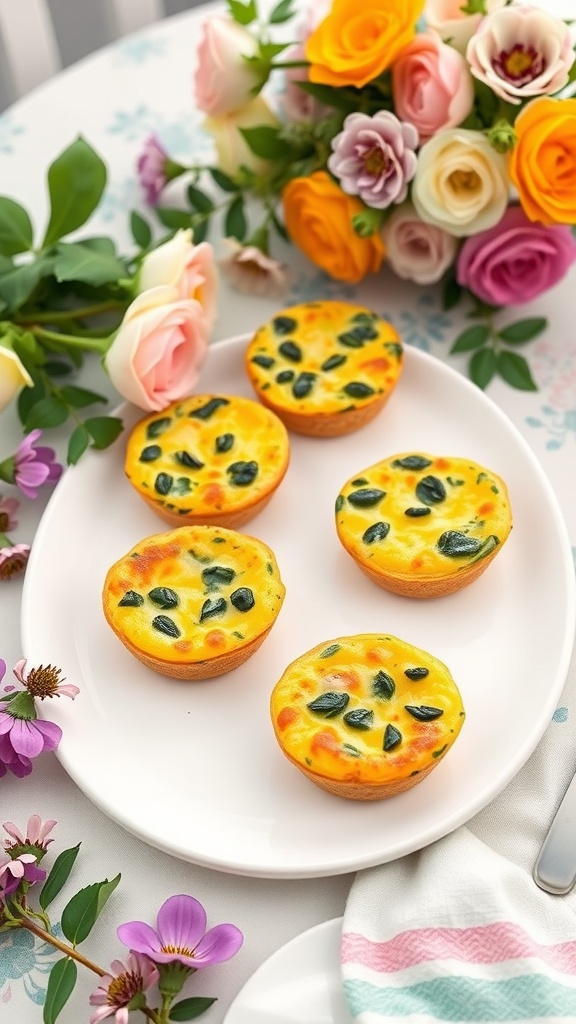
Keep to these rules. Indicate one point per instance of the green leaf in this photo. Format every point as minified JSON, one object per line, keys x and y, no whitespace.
{"x":76,"y":181}
{"x":28,"y":398}
{"x":58,"y":876}
{"x":451,"y":293}
{"x":103,"y":430}
{"x":265,"y":142}
{"x":199,"y":200}
{"x":80,"y":913}
{"x":76,"y":261}
{"x":332,"y":97}
{"x":244,"y":14}
{"x":471,"y":338}
{"x":59,"y":989}
{"x":77,"y":444}
{"x":17,"y":286}
{"x":189,"y":1009}
{"x":80,"y":397}
{"x":172,"y":218}
{"x":16,"y":234}
{"x":235,"y":223}
{"x":223,"y":181}
{"x":48,"y":412}
{"x":280,"y":228}
{"x":57,"y":367}
{"x":523,"y":330}
{"x":140,"y":228}
{"x":28,"y":350}
{"x":105,"y":891}
{"x":200,"y":230}
{"x":282,"y":12}
{"x":514,"y":369}
{"x":483,"y":365}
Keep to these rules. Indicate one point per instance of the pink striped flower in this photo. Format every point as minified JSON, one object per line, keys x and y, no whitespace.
{"x":35,"y":834}
{"x":122,"y":989}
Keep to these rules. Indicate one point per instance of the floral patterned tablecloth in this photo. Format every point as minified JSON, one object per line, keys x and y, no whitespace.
{"x":115,"y":99}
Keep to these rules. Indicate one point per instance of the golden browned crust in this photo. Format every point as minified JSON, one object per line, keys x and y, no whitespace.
{"x":326,"y":424}
{"x":231,"y":520}
{"x":361,"y":790}
{"x":424,"y":587}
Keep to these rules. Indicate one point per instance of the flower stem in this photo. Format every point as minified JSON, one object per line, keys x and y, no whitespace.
{"x":62,"y":315}
{"x":62,"y":946}
{"x":70,"y":340}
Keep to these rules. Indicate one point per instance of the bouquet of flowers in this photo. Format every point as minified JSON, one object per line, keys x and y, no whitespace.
{"x":435,"y":136}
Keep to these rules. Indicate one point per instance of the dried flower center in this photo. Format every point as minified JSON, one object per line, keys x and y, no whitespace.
{"x":123,"y":988}
{"x":12,"y":564}
{"x":181,"y":950}
{"x":520,"y":65}
{"x":4,"y":522}
{"x":43,"y":681}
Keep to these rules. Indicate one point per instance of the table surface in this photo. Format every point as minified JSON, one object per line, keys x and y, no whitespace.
{"x":115,"y":99}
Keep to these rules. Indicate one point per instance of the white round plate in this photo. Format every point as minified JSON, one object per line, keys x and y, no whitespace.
{"x":194,"y":768}
{"x":299,"y":982}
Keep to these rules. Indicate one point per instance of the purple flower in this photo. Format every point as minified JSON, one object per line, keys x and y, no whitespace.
{"x":152,"y":169}
{"x":515,"y":260}
{"x":374,"y":158}
{"x":15,"y":870}
{"x":21,"y":733}
{"x":10,"y":761}
{"x":34,"y":465}
{"x":181,"y":936}
{"x":122,"y":989}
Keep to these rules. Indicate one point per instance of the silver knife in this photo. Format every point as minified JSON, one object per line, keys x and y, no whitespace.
{"x":555,"y":868}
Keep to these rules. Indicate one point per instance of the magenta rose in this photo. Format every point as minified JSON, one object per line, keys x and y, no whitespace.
{"x":515,"y":260}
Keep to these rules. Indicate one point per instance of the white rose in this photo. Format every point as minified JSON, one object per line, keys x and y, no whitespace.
{"x":461,"y":184}
{"x":231,"y":147}
{"x":223,"y":81}
{"x":189,"y":268}
{"x":13,"y":377}
{"x":415,"y":250}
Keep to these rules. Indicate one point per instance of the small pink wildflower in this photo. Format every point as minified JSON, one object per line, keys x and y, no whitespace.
{"x":122,"y":990}
{"x":155,"y":169}
{"x":35,"y":833}
{"x":8,"y":506}
{"x":13,"y":558}
{"x":43,"y":681}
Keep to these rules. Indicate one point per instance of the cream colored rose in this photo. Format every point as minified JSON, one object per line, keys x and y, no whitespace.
{"x":415,"y":250}
{"x":460,"y":183}
{"x":13,"y":377}
{"x":189,"y":268}
{"x":231,"y":147}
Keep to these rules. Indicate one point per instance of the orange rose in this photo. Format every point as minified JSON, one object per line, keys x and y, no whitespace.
{"x":357,"y":41}
{"x":542,"y":164}
{"x":318,"y":217}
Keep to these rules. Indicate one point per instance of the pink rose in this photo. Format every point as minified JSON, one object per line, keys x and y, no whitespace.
{"x":297,"y":104}
{"x":223,"y":81}
{"x":158,"y":349}
{"x":415,"y":250}
{"x":516,"y":260}
{"x":432,"y":85}
{"x":189,"y":268}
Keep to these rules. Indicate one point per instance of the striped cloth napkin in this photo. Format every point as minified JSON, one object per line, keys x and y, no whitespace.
{"x":459,"y":931}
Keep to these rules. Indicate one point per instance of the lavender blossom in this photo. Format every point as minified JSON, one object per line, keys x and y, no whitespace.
{"x":374,"y":158}
{"x":31,"y":466}
{"x":181,"y":936}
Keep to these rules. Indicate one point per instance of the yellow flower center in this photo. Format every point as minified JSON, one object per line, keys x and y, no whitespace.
{"x":520,"y":65}
{"x":181,"y":950}
{"x":464,"y":181}
{"x":123,"y":988}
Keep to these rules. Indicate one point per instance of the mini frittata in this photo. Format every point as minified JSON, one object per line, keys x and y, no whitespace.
{"x":194,"y":602}
{"x":325,"y":368}
{"x":423,"y":525}
{"x":366,"y":716}
{"x":209,"y":459}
